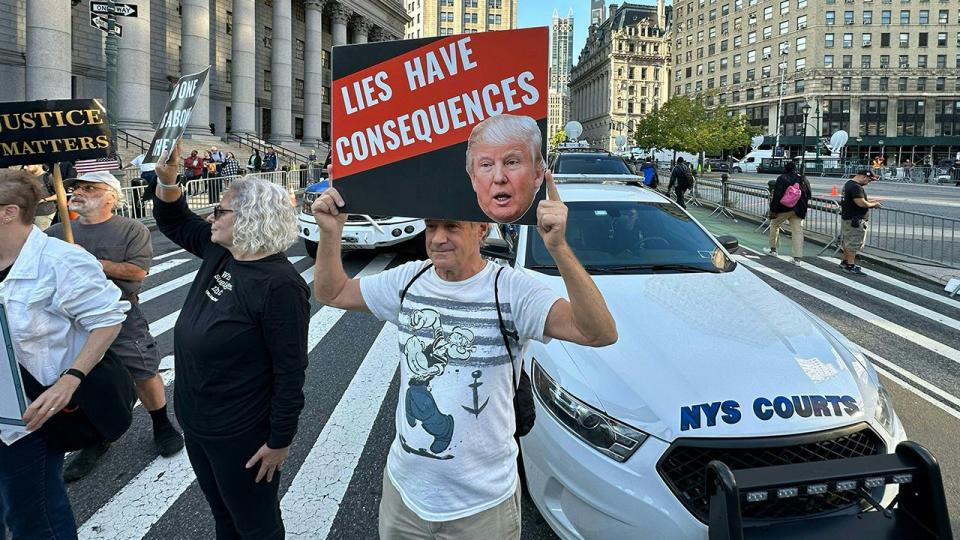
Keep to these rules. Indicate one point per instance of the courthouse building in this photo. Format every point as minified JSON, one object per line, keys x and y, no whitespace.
{"x":885,"y":71}
{"x":269,"y":59}
{"x":622,"y":73}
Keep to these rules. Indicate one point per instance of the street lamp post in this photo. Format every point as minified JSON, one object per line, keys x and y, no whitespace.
{"x":782,"y":66}
{"x":110,"y":50}
{"x":803,"y":145}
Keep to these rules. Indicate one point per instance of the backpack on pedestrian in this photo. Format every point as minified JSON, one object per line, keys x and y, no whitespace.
{"x":792,"y":195}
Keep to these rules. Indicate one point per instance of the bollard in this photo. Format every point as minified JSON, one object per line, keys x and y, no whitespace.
{"x":724,"y":190}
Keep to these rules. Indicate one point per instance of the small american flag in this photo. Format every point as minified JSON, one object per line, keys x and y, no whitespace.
{"x":85,"y":166}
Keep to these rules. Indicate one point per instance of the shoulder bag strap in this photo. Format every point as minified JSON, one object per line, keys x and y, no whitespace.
{"x":503,"y":328}
{"x":422,"y":271}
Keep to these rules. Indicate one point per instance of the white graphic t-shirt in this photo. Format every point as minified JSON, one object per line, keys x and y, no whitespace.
{"x":454,"y":454}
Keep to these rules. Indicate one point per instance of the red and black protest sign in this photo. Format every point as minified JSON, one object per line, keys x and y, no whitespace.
{"x":403,"y":112}
{"x":50,"y":131}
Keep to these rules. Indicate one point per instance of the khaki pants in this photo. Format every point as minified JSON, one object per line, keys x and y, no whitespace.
{"x":397,"y":522}
{"x":796,"y":232}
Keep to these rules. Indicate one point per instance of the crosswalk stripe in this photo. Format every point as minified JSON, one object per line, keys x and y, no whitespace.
{"x":926,"y":385}
{"x":170,"y":254}
{"x":312,"y":502}
{"x":166,"y":287}
{"x":952,"y":302}
{"x":856,"y":311}
{"x":895,"y":300}
{"x":166,"y":265}
{"x":138,"y":505}
{"x":919,"y":393}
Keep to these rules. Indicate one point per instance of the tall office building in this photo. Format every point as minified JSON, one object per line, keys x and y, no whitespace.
{"x":561,"y":62}
{"x":887,"y":73}
{"x":430,"y":18}
{"x":622,"y":73}
{"x":597,"y":9}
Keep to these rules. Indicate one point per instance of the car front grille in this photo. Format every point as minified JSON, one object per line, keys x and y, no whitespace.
{"x":357,"y":218}
{"x":683,"y":467}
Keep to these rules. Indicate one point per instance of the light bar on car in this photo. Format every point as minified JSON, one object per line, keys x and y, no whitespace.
{"x":820,"y":488}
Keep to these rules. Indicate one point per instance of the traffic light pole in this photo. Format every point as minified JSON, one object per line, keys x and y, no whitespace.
{"x":110,"y":53}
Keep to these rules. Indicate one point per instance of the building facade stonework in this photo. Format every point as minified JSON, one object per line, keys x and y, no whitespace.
{"x":622,"y":73}
{"x":269,"y":59}
{"x":429,"y":18}
{"x":887,"y":72}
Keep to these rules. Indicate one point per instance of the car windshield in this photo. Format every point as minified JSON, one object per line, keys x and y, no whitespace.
{"x":632,"y":238}
{"x":589,"y":164}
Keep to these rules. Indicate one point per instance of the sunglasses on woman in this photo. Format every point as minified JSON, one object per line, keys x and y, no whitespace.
{"x":219,"y":211}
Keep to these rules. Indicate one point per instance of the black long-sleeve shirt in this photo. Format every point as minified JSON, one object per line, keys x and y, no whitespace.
{"x":240,"y":343}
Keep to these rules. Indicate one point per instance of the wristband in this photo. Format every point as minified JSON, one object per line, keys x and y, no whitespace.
{"x":75,"y":372}
{"x":161,"y":185}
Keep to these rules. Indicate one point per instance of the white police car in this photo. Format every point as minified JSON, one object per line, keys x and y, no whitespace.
{"x":711,"y":364}
{"x":360,"y":231}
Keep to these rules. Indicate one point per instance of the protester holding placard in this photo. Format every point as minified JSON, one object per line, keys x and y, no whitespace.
{"x":453,"y":468}
{"x":240,"y":347}
{"x":63,"y":314}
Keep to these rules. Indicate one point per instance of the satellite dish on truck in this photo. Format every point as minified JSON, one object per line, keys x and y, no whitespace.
{"x":621,"y":142}
{"x":573,"y":129}
{"x":838,"y":141}
{"x":756,"y":142}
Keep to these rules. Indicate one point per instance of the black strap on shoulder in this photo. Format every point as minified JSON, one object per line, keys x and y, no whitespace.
{"x":503,"y":328}
{"x":422,"y":271}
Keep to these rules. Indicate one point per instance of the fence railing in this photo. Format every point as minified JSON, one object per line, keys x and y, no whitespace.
{"x":898,"y":233}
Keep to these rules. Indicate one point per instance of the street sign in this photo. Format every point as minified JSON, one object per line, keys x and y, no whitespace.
{"x":100,"y":23}
{"x":120,"y":10}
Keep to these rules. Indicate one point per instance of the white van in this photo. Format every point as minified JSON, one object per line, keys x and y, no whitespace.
{"x":749,"y":162}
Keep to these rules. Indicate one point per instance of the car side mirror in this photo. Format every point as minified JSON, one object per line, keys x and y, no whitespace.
{"x":497,"y":248}
{"x":729,"y":243}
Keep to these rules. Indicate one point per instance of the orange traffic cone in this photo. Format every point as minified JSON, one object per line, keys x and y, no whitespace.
{"x":834,"y":192}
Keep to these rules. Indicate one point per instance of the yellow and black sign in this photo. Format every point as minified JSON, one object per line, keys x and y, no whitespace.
{"x":50,"y":131}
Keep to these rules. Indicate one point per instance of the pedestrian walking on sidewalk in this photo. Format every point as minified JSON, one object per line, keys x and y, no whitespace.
{"x":63,"y":315}
{"x":240,"y":347}
{"x":854,"y":207}
{"x":123,"y":247}
{"x":788,"y":202}
{"x":452,"y":468}
{"x":681,"y":179}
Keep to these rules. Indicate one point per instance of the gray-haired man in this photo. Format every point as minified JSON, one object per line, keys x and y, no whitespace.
{"x":123,"y":247}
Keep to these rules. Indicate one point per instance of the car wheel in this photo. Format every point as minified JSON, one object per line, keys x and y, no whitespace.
{"x":311,"y":248}
{"x":737,"y":170}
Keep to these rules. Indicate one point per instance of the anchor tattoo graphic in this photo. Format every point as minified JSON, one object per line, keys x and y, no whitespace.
{"x":475,"y":385}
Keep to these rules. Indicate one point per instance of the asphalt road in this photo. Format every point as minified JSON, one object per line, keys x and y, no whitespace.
{"x":337,"y":459}
{"x":939,"y":200}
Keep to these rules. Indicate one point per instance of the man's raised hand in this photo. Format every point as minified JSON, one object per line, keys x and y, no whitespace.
{"x":552,"y":216}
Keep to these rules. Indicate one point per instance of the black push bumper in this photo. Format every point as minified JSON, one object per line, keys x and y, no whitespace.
{"x":918,"y":512}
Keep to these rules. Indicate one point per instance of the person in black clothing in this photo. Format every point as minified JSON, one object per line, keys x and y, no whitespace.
{"x":681,"y":179}
{"x":792,"y":208}
{"x":854,"y":207}
{"x":240,"y":347}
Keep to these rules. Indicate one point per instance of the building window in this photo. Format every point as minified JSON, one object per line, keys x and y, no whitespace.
{"x":943,"y":17}
{"x":902,"y":84}
{"x":298,"y":52}
{"x":845,"y":84}
{"x":885,"y":17}
{"x":229,"y":73}
{"x":785,"y":26}
{"x":941,"y":60}
{"x":884,"y":83}
{"x":848,"y":41}
{"x":801,"y":64}
{"x":268,"y":37}
{"x":828,"y":40}
{"x":229,"y":22}
{"x":921,"y":84}
{"x":768,"y":13}
{"x":798,"y":86}
{"x":325,"y":59}
{"x":801,"y":44}
{"x":923,"y":39}
{"x":784,"y":7}
{"x":865,"y":84}
{"x":867,"y":39}
{"x":267,"y":80}
{"x":904,"y":61}
{"x":865,"y":61}
{"x":325,"y":98}
{"x":922,"y":61}
{"x":910,"y":117}
{"x":758,"y":116}
{"x":867,"y":17}
{"x":905,"y":16}
{"x":792,"y":118}
{"x":941,"y":84}
{"x":298,"y":127}
{"x":873,"y":117}
{"x":836,"y":116}
{"x":298,"y":88}
{"x":801,"y":4}
{"x":831,"y":18}
{"x":924,"y":16}
{"x":847,"y":17}
{"x":941,"y":39}
{"x":751,"y":93}
{"x":885,"y":39}
{"x":847,"y":62}
{"x":947,"y":118}
{"x":300,"y":13}
{"x":828,"y":60}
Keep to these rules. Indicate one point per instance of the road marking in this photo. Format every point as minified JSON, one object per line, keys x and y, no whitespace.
{"x":905,"y":286}
{"x":856,"y":311}
{"x":919,"y":381}
{"x":171,"y":254}
{"x":166,"y":265}
{"x":312,"y":502}
{"x":922,"y":395}
{"x":895,"y":300}
{"x":146,"y":498}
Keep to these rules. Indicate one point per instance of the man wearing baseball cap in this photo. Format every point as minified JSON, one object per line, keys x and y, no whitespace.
{"x":854,"y":207}
{"x":124,"y":249}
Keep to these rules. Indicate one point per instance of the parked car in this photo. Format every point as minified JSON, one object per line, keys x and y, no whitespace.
{"x":712,"y":363}
{"x":590,"y":164}
{"x":361,"y":232}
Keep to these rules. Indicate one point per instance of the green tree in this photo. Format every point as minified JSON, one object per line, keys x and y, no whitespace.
{"x":557,"y":139}
{"x":687,"y":125}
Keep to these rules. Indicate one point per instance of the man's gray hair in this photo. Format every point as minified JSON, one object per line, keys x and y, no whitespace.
{"x":266,"y":221}
{"x":505,"y":128}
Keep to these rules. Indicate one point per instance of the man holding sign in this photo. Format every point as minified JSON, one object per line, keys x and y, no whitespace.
{"x":460,"y":318}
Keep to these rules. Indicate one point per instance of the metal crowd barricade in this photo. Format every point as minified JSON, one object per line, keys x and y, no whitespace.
{"x":276,"y":177}
{"x":201,"y":193}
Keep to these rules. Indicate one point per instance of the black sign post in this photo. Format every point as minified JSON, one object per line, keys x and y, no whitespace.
{"x":120,"y":10}
{"x":37,"y":132}
{"x":176,"y":115}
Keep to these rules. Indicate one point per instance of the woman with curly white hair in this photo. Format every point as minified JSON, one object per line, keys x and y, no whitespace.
{"x":240,"y":347}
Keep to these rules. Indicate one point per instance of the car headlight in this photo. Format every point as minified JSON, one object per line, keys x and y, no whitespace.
{"x":605,"y":434}
{"x":885,"y":414}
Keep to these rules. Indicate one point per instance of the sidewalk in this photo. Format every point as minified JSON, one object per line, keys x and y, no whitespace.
{"x":747,"y":234}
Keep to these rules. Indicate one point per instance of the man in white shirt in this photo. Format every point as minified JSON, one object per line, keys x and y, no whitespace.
{"x":452,"y":469}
